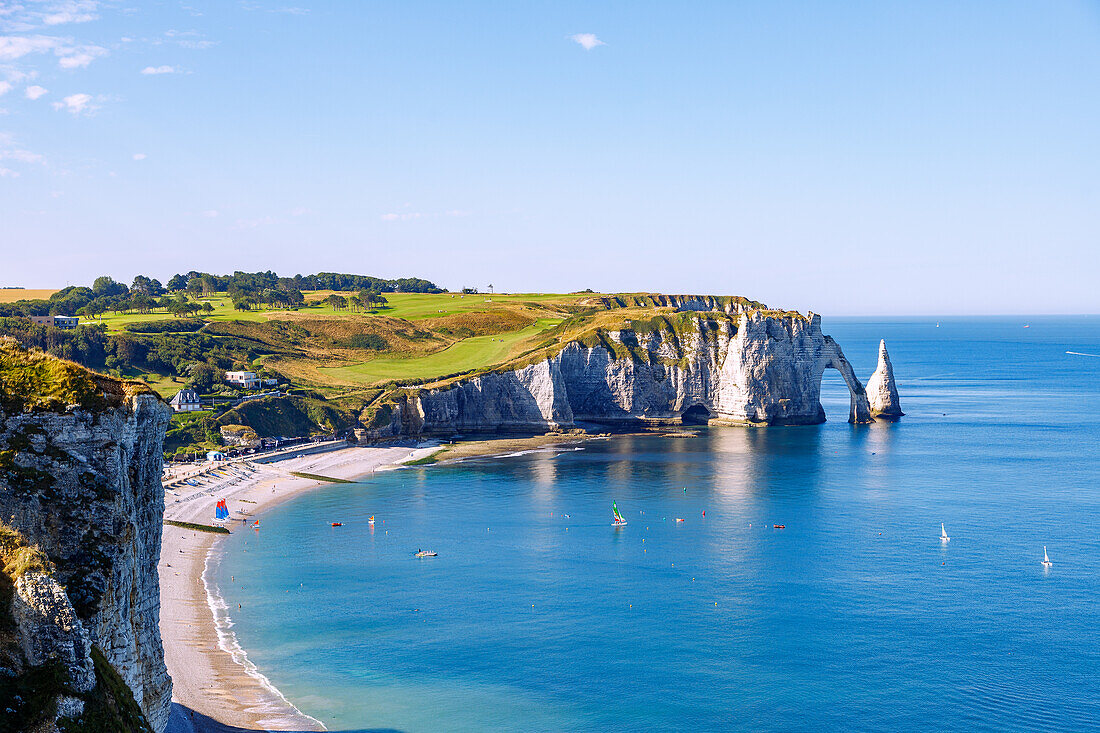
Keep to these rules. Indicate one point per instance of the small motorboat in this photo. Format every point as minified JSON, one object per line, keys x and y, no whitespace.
{"x":426,"y":553}
{"x":679,"y":519}
{"x":1046,"y":560}
{"x":337,"y":524}
{"x":779,"y":526}
{"x":371,"y":520}
{"x":943,"y":534}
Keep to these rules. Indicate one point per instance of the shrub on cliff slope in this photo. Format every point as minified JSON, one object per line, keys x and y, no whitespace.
{"x":29,"y":694}
{"x":33,"y":380}
{"x":291,"y":417}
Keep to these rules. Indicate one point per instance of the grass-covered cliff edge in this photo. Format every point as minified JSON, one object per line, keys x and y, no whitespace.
{"x":80,"y":497}
{"x":338,"y":360}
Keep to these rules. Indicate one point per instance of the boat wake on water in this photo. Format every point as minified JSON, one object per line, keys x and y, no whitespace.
{"x":1081,"y":353}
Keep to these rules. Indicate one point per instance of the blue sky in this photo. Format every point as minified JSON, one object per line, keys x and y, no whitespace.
{"x":850,"y":158}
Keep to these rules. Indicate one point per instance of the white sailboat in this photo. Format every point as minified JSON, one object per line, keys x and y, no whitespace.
{"x":619,"y":521}
{"x":1046,"y":560}
{"x":943,"y":534}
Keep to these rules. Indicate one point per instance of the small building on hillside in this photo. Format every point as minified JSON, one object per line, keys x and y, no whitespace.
{"x":65,"y":322}
{"x":243,"y":380}
{"x":215,"y":455}
{"x":186,"y":400}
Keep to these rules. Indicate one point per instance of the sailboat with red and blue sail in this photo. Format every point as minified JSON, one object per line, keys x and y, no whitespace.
{"x":221,"y":511}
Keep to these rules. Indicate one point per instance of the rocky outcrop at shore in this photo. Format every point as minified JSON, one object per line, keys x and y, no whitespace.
{"x":80,"y":468}
{"x":729,"y":365}
{"x":881,"y":388}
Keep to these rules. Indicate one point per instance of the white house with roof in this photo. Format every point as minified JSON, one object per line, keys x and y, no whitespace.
{"x":243,"y":380}
{"x":186,"y":400}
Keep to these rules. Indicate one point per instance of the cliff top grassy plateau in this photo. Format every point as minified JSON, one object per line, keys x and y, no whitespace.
{"x":332,"y":345}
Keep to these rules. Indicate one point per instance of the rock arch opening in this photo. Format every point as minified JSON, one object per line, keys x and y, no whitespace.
{"x":859,"y":408}
{"x":696,"y":415}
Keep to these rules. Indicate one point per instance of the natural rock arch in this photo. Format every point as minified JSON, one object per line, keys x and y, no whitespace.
{"x":860,"y":410}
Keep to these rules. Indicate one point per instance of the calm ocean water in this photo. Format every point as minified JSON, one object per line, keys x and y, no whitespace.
{"x":854,"y":617}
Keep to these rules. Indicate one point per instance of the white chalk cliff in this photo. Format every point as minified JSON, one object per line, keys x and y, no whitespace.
{"x":730,"y":365}
{"x":84,"y":486}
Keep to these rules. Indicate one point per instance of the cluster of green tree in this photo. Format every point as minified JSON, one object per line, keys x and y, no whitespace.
{"x":84,"y":344}
{"x":255,"y":283}
{"x":197,"y":357}
{"x":106,"y":295}
{"x":365,"y":300}
{"x":246,"y":289}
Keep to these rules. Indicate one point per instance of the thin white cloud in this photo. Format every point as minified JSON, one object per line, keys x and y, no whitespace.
{"x":152,"y":70}
{"x":76,"y":104}
{"x":587,"y":40}
{"x":79,"y":57}
{"x":413,"y":215}
{"x":11,"y":152}
{"x":291,"y":10}
{"x":210,"y":213}
{"x":139,"y":156}
{"x":34,"y":91}
{"x":5,"y":87}
{"x":72,"y":11}
{"x":22,"y":17}
{"x":70,"y":55}
{"x":16,"y":47}
{"x":300,"y":211}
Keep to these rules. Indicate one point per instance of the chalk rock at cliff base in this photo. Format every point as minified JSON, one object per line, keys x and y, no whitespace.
{"x":881,"y":389}
{"x":50,"y":630}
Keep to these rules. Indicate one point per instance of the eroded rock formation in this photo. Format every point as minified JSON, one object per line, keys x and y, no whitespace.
{"x":881,"y":389}
{"x":82,"y":482}
{"x":745,"y":366}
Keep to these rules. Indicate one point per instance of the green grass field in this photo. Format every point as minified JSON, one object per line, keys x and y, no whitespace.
{"x":223,"y":311}
{"x":409,"y":306}
{"x":471,"y":353}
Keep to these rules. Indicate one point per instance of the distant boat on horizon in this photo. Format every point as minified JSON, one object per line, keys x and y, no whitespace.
{"x":1046,"y":560}
{"x":943,"y":534}
{"x":618,"y":521}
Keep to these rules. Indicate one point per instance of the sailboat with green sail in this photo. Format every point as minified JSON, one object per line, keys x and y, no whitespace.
{"x":619,"y":521}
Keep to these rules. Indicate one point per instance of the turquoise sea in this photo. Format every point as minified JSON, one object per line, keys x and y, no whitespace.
{"x":537,"y":615}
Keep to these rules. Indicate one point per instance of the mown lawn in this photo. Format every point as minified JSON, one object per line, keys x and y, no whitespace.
{"x":471,"y":353}
{"x":223,"y":311}
{"x":410,"y":306}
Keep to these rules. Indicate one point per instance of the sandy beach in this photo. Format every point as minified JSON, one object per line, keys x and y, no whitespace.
{"x":215,"y":687}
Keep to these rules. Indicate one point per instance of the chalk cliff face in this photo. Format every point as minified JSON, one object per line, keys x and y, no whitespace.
{"x":745,"y":367}
{"x":881,"y":388}
{"x":84,"y":485}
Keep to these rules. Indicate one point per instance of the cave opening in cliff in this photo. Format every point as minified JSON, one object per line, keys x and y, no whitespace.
{"x":696,"y":415}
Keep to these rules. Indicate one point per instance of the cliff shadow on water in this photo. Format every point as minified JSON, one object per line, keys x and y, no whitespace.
{"x":186,"y":720}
